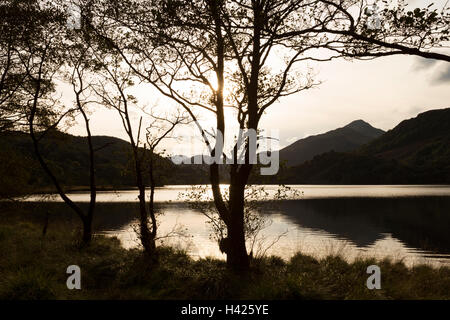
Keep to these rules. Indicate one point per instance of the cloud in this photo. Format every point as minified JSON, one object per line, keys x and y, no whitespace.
{"x":443,"y":76}
{"x":440,"y":72}
{"x":423,"y":64}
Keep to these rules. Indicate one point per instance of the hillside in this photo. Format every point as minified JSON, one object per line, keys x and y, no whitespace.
{"x":344,"y":139}
{"x":423,"y":141}
{"x":415,"y":151}
{"x":67,"y":155}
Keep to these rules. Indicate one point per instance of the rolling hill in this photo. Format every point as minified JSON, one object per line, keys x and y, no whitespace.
{"x":67,"y":155}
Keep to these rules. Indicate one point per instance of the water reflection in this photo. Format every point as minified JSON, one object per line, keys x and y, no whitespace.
{"x":414,"y":229}
{"x":171,"y":193}
{"x":419,"y":222}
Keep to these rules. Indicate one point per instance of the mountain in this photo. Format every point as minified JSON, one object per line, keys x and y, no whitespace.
{"x":344,"y":139}
{"x":415,"y":151}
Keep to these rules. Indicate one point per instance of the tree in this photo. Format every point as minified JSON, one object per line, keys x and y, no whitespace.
{"x":245,"y":55}
{"x":160,"y":128}
{"x":82,"y":61}
{"x":257,"y":198}
{"x":42,"y":55}
{"x":112,"y":87}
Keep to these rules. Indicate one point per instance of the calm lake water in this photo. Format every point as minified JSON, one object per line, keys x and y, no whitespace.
{"x":409,"y":223}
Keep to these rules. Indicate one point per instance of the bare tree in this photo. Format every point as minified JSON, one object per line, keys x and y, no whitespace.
{"x":157,"y":131}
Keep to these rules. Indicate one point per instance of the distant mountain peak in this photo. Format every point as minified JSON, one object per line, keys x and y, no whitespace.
{"x":358,"y":122}
{"x":364,"y":127}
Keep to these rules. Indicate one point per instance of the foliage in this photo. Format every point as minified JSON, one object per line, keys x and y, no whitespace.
{"x":29,"y":30}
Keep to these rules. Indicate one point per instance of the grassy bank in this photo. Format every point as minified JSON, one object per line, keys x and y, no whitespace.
{"x":34,"y":267}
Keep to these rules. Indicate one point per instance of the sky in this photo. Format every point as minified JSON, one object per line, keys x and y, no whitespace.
{"x":382,"y":92}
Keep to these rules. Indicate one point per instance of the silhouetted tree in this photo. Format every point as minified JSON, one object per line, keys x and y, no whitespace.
{"x":17,"y":31}
{"x":245,"y":54}
{"x":83,"y":66}
{"x":113,"y":88}
{"x":43,"y":54}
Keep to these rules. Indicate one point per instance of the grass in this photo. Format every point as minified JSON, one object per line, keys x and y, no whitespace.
{"x":34,"y":267}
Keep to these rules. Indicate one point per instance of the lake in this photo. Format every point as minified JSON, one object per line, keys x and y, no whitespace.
{"x":409,"y":223}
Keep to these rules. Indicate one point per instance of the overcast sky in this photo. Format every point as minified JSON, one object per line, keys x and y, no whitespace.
{"x":382,"y":92}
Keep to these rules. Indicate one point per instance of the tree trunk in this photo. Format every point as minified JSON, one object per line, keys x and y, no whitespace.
{"x":151,"y":209}
{"x":237,"y":257}
{"x":146,"y":239}
{"x":87,"y":230}
{"x":87,"y":221}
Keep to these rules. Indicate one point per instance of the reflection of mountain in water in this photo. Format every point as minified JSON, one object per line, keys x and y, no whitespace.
{"x":418,"y":222}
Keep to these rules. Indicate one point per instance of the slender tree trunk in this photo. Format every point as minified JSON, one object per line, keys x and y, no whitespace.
{"x":86,"y":237}
{"x":151,"y":205}
{"x":143,"y":218}
{"x":145,"y":235}
{"x":237,"y":257}
{"x":87,"y":221}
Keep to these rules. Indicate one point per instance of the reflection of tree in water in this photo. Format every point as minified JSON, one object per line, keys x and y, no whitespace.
{"x":418,"y":222}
